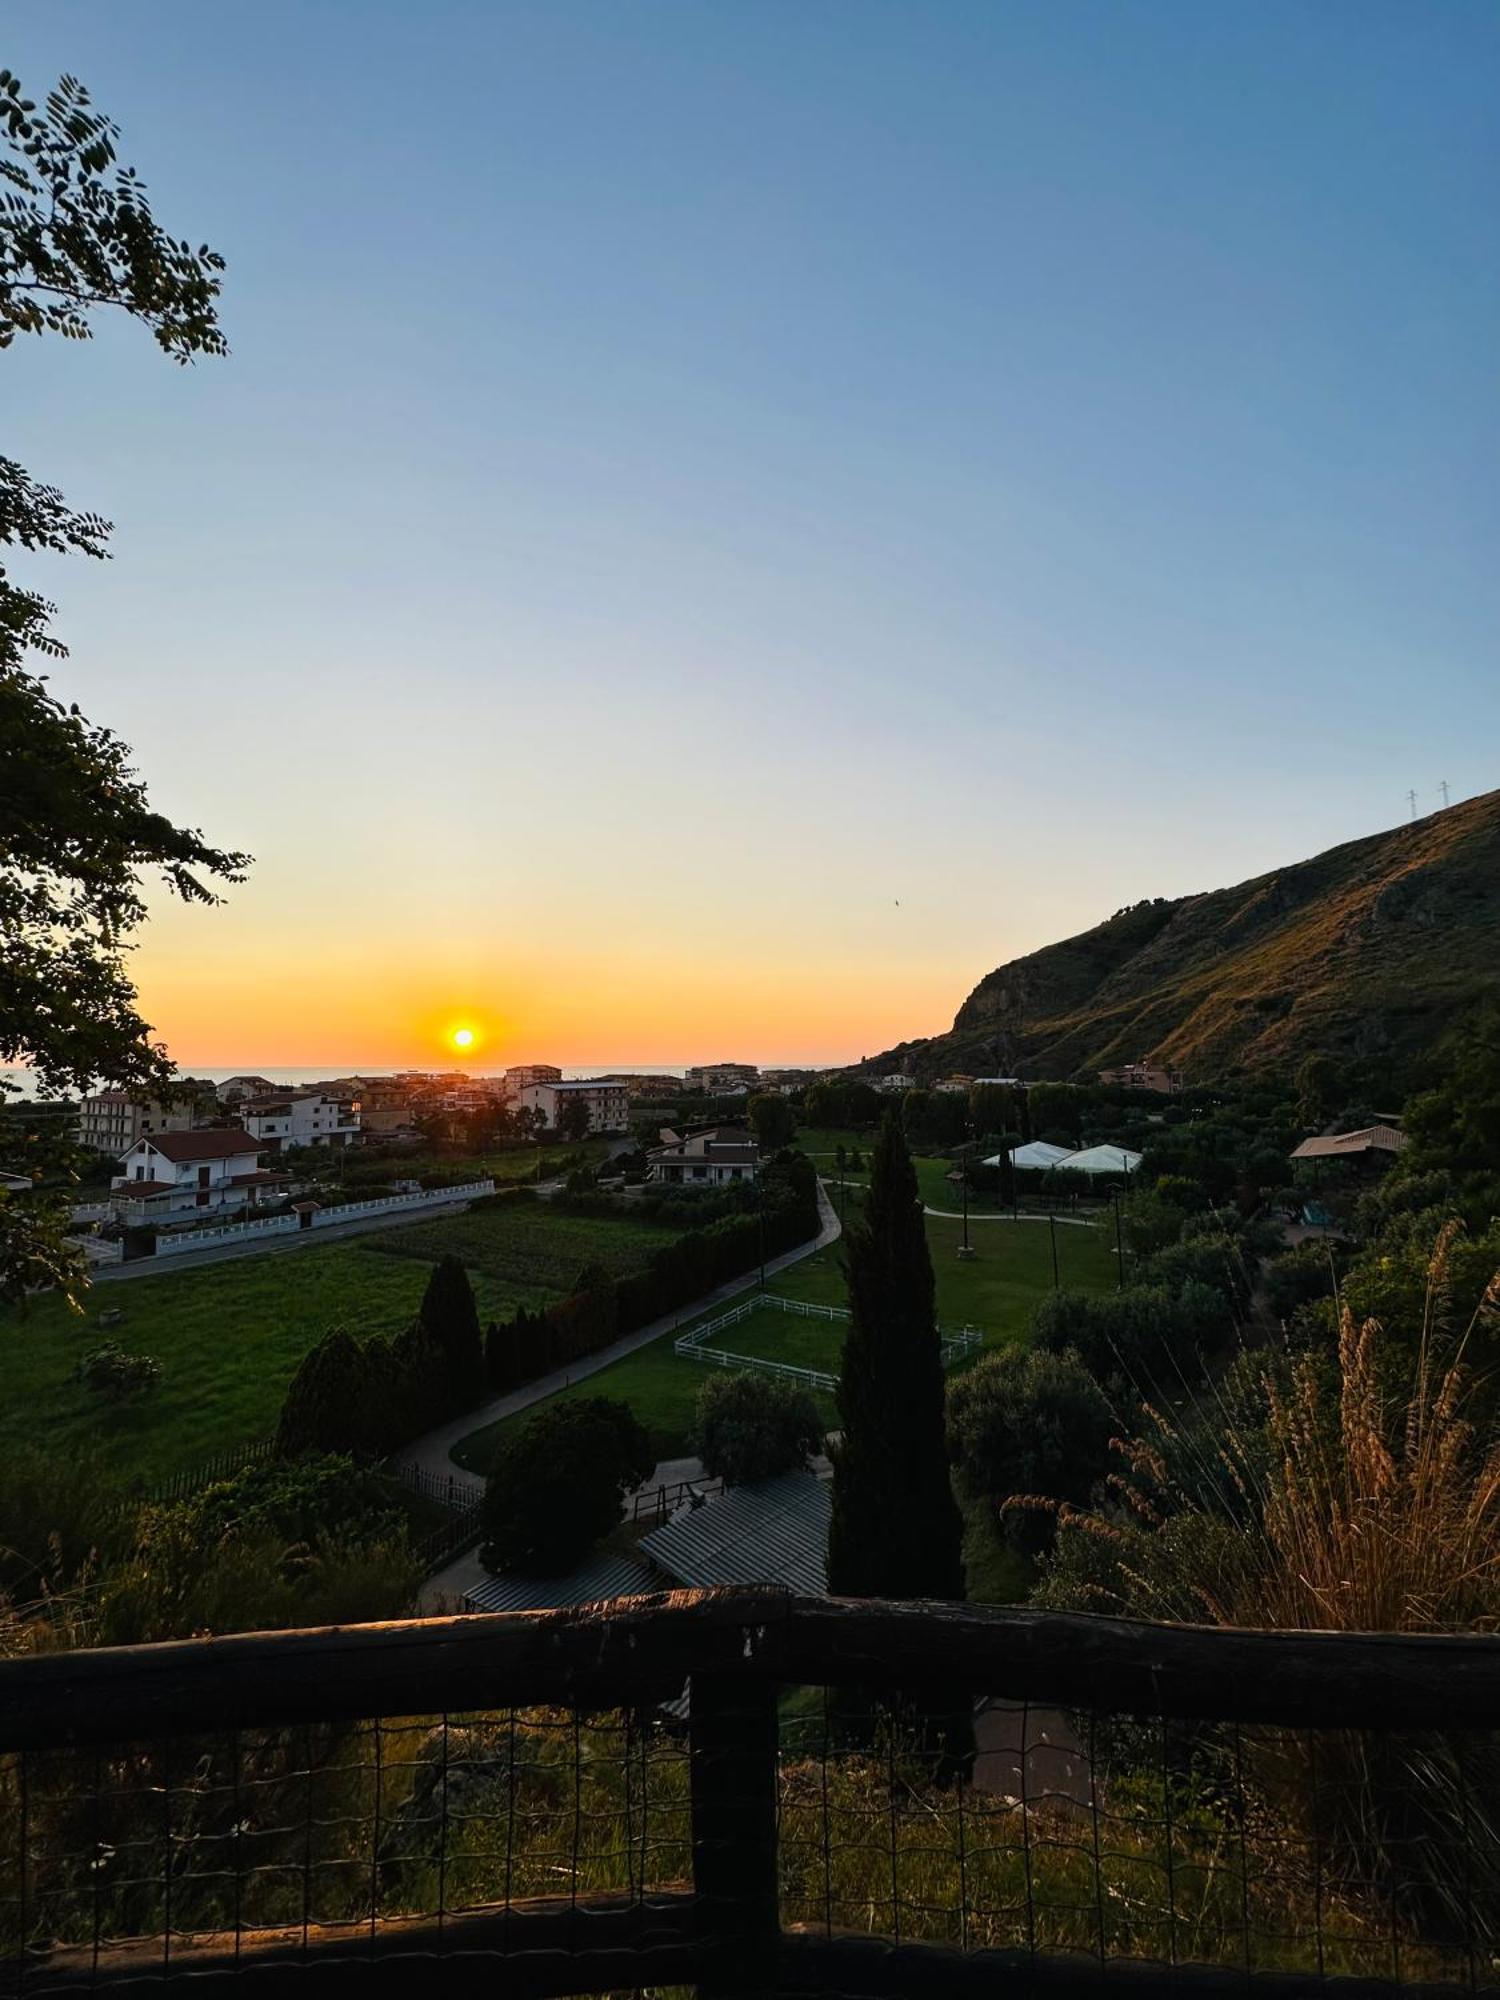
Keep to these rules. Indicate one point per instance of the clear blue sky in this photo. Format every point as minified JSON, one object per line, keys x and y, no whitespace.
{"x":689,"y":476}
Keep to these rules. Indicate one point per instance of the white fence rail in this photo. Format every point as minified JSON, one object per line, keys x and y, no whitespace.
{"x":693,"y":1345}
{"x":225,"y":1232}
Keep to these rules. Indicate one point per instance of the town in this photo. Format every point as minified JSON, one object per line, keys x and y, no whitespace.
{"x":749,"y":1001}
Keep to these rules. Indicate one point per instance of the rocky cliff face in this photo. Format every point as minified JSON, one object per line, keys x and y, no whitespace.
{"x":1367,"y":952}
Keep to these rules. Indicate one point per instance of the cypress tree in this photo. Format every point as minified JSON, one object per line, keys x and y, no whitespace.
{"x":451,"y":1320}
{"x":325,"y":1401}
{"x":896,"y":1530}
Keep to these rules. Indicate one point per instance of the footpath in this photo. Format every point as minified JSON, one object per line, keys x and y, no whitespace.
{"x":429,"y":1453}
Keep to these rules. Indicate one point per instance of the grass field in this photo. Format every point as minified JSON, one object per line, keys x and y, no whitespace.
{"x":995,"y":1292}
{"x":530,"y":1244}
{"x":229,"y":1336}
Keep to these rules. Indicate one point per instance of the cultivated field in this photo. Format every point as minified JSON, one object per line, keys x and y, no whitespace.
{"x":229,"y":1336}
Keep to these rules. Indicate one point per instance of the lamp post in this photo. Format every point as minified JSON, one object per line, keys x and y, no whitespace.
{"x":1052,"y":1228}
{"x":966,"y":1248}
{"x":1119,"y":1246}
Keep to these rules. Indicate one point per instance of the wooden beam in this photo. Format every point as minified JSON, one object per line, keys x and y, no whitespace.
{"x":871,"y":1968}
{"x":602,"y":1656}
{"x":1338,"y":1680}
{"x":530,"y":1950}
{"x":634,"y":1650}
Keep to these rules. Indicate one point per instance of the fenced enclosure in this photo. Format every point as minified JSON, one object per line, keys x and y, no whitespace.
{"x":514,"y":1803}
{"x":697,"y":1343}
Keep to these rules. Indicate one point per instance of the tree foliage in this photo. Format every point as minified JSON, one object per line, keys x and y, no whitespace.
{"x":1025,"y":1422}
{"x":772,"y":1120}
{"x":77,"y":235}
{"x":557,"y":1484}
{"x":752,"y":1426}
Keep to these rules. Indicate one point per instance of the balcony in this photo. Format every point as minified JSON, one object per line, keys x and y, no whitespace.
{"x":530,"y":1805}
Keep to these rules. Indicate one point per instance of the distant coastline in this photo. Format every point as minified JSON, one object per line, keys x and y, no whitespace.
{"x":303,"y":1073}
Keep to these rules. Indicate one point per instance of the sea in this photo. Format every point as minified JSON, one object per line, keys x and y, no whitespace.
{"x":17,"y":1081}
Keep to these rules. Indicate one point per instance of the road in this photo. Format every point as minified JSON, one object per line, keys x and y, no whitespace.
{"x":429,"y":1453}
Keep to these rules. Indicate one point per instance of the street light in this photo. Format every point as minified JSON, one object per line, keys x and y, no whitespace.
{"x":966,"y":1248}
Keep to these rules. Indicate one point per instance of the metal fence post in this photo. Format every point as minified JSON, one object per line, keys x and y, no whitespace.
{"x":732,"y":1737}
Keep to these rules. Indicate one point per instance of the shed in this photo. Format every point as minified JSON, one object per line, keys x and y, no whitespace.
{"x":768,"y":1531}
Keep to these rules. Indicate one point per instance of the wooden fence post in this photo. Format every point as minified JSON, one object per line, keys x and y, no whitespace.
{"x":732,"y":1737}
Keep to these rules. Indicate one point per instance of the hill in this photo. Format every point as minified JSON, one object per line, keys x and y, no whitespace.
{"x":1367,"y":953}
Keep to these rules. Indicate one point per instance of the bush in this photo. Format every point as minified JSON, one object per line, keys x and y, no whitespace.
{"x":557,"y":1484}
{"x":113,"y":1373}
{"x":1142,"y":1337}
{"x":1216,"y":1260}
{"x":296,"y":1500}
{"x":1299,"y":1276}
{"x":752,"y":1426}
{"x":1026,"y":1421}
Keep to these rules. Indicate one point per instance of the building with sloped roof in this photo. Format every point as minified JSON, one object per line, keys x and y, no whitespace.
{"x":767,"y":1531}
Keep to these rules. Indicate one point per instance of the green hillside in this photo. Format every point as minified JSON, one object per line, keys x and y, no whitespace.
{"x":1366,"y":953}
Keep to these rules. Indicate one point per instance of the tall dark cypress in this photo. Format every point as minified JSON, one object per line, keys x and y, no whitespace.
{"x":896,"y":1530}
{"x":451,"y":1320}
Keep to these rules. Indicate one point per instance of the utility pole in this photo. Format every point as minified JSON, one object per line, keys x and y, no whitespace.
{"x":1056,"y":1280}
{"x":1443,"y":788}
{"x":1411,"y":799}
{"x":1119,"y":1244}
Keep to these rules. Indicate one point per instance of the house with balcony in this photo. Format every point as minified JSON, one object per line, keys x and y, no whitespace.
{"x":708,"y":1158}
{"x":174,"y":1177}
{"x":301,"y":1118}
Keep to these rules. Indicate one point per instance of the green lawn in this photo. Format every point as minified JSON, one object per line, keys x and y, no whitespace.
{"x":229,"y":1336}
{"x":996,"y":1292}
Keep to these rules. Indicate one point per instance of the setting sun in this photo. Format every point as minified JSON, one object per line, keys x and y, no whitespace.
{"x":463,"y":1038}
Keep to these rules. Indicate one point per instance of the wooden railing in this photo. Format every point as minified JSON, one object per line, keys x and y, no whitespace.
{"x":720,"y":1927}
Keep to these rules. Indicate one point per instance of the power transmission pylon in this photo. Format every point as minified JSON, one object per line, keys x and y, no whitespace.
{"x":1443,"y":788}
{"x":1411,"y":800}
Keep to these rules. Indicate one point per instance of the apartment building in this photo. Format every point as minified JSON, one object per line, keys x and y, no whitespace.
{"x":112,"y":1120}
{"x":722,"y":1079}
{"x":526,"y":1076}
{"x":608,"y":1103}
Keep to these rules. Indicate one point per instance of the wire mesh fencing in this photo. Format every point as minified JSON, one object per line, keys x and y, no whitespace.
{"x":729,"y":1788}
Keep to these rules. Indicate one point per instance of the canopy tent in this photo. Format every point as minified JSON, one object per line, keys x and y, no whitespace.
{"x":1037,"y":1154}
{"x":1099,"y":1160}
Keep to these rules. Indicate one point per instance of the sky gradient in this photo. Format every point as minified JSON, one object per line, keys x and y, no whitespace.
{"x":722,"y":523}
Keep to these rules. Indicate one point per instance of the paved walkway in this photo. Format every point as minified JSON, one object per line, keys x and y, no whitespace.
{"x":272,"y":1246}
{"x":1062,"y":1221}
{"x":430,"y":1453}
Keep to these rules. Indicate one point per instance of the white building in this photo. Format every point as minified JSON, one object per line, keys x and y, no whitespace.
{"x":704,"y":1159}
{"x":301,"y":1118}
{"x":112,"y":1120}
{"x":190,"y":1176}
{"x":608,"y":1103}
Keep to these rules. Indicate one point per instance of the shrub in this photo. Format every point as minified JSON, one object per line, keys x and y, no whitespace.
{"x":1373,"y":1511}
{"x":1217,"y":1260}
{"x":1141,"y":1337}
{"x":326,"y":1403}
{"x":1299,"y":1276}
{"x":752,"y":1426}
{"x":113,"y":1373}
{"x":297,"y":1500}
{"x":1028,"y":1422}
{"x":557,"y":1484}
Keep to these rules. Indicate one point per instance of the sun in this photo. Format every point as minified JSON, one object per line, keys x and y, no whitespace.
{"x":463,"y":1038}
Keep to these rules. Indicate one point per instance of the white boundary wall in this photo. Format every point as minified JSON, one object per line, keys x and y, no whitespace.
{"x":326,"y":1218}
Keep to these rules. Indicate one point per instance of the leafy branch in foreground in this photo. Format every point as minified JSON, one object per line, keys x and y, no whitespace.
{"x":77,"y":829}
